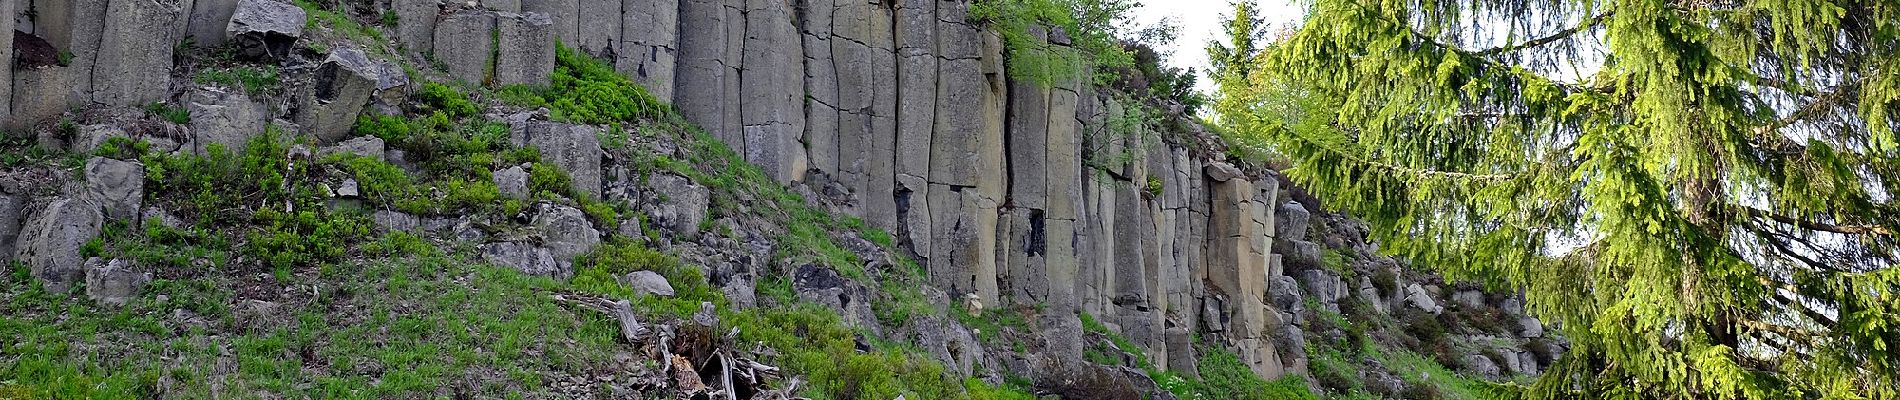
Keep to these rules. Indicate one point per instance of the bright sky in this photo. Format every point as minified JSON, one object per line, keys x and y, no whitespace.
{"x":1200,"y":21}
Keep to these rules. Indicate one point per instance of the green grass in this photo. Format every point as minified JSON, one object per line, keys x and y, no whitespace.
{"x":252,"y":79}
{"x":167,"y":112}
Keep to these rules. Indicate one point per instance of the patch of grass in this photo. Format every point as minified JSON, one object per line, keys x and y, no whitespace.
{"x":252,"y":79}
{"x":586,"y":90}
{"x":167,"y":112}
{"x":447,"y":99}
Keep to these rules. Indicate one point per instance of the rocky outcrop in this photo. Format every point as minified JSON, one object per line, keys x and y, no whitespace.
{"x":51,"y":240}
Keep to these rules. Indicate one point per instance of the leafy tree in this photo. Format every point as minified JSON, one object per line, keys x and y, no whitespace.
{"x":1699,"y":193}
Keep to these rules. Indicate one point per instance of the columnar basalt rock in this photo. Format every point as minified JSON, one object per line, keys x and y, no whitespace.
{"x":564,"y":13}
{"x":650,"y":44}
{"x":464,"y":44}
{"x":771,"y":96}
{"x":524,"y":56}
{"x":265,"y":29}
{"x":572,"y":148}
{"x":345,"y":82}
{"x":416,"y":20}
{"x":134,"y":58}
{"x":6,"y":73}
{"x":223,"y":118}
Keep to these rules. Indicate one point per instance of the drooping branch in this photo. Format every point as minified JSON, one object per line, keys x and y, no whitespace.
{"x":1817,"y":226}
{"x":1559,"y":35}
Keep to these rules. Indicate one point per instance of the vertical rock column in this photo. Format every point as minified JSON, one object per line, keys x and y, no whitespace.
{"x":1236,"y":269}
{"x":415,"y":24}
{"x":821,"y":86}
{"x":564,"y":13}
{"x":464,"y":44}
{"x":701,"y":73}
{"x":916,"y":41}
{"x":771,"y":93}
{"x":135,"y":52}
{"x":650,"y":44}
{"x":966,"y":168}
{"x":526,"y":53}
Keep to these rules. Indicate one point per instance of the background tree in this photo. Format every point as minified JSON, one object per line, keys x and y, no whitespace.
{"x":1698,"y":192}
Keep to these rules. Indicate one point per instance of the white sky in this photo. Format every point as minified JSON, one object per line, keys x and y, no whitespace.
{"x":1200,"y":21}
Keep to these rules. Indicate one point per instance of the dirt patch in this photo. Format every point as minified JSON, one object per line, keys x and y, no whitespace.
{"x":32,"y":51}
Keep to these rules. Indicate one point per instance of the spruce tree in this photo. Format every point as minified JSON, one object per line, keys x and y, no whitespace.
{"x":1699,"y":193}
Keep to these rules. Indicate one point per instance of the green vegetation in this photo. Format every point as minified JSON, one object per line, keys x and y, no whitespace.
{"x":170,"y":113}
{"x":252,"y":79}
{"x":585,"y":91}
{"x":1704,"y":214}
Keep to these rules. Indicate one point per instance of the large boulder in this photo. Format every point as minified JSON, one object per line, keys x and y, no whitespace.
{"x":113,"y":282}
{"x":573,"y":148}
{"x":50,"y":244}
{"x":116,"y":185}
{"x":1529,"y":327}
{"x":1293,"y":218}
{"x":565,"y":231}
{"x":678,"y":204}
{"x":227,"y":119}
{"x":265,"y":29}
{"x":1478,"y":364}
{"x":646,"y":282}
{"x":345,"y":83}
{"x":524,"y":257}
{"x":513,"y":182}
{"x":1417,"y":297}
{"x":11,"y":209}
{"x":1325,"y":286}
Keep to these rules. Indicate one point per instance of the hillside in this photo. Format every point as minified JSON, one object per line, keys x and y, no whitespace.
{"x":694,"y":199}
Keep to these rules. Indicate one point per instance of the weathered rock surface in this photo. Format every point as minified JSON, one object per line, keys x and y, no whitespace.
{"x":344,"y":84}
{"x":114,"y":282}
{"x":51,"y":241}
{"x":679,"y":204}
{"x":265,"y":29}
{"x":134,"y":56}
{"x":226,"y":119}
{"x":525,"y":257}
{"x":513,"y":182}
{"x":646,"y":283}
{"x":464,"y":44}
{"x":117,"y":186}
{"x":525,"y":55}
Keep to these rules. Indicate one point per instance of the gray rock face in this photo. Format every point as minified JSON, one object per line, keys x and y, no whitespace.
{"x":564,"y":13}
{"x":573,"y":148}
{"x":679,"y":205}
{"x":647,"y":282}
{"x":464,"y":44}
{"x":1480,"y":365}
{"x":1292,"y":218}
{"x":223,"y":118}
{"x":565,"y":231}
{"x":415,"y":24}
{"x":361,"y":146}
{"x":134,"y":60}
{"x":599,"y":28}
{"x":1529,"y":327}
{"x":117,"y":186}
{"x":526,"y":53}
{"x":513,"y":182}
{"x":1468,"y":299}
{"x":525,"y":257}
{"x":345,"y":83}
{"x":11,"y":209}
{"x":392,"y":221}
{"x":209,"y":19}
{"x":50,"y":243}
{"x":1417,"y":297}
{"x":1300,"y":254}
{"x":113,"y":282}
{"x":265,"y":29}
